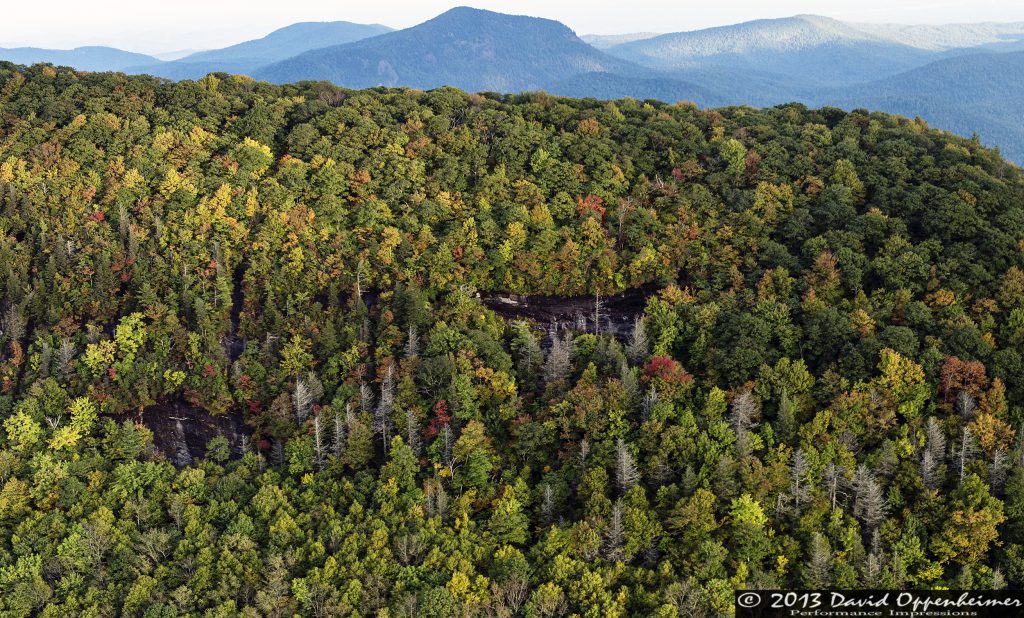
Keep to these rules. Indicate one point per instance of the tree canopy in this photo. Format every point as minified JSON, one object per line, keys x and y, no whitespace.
{"x":825,"y":388}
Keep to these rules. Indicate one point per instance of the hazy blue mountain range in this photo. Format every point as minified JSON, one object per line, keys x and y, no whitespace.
{"x":803,"y":50}
{"x":604,"y":41}
{"x":977,"y":93}
{"x":250,"y":56}
{"x":604,"y":85}
{"x":965,"y":78}
{"x":949,"y":36}
{"x":469,"y":48}
{"x":95,"y":58}
{"x":176,"y":54}
{"x":708,"y":86}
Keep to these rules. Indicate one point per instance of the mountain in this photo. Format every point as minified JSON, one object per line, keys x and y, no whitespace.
{"x":175,"y":54}
{"x":280,"y":44}
{"x":645,"y":343}
{"x":935,"y":72}
{"x":468,"y":48}
{"x":615,"y":86}
{"x":605,"y":41}
{"x":950,"y":75}
{"x":94,"y":58}
{"x":708,"y":86}
{"x":805,"y":50}
{"x":949,"y":36}
{"x":785,"y":34}
{"x":291,"y":41}
{"x":978,"y":93}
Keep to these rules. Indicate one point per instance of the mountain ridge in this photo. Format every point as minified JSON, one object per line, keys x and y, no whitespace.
{"x":805,"y":49}
{"x":472,"y":49}
{"x":85,"y":58}
{"x":809,"y":59}
{"x":980,"y":93}
{"x":249,"y":56}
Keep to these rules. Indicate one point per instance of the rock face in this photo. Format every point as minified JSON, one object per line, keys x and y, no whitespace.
{"x":614,"y":315}
{"x":182,"y":431}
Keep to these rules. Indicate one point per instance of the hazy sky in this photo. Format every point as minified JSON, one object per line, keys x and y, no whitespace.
{"x":167,"y":25}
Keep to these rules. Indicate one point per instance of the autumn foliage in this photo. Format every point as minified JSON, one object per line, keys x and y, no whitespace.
{"x":666,"y":369}
{"x":959,"y":376}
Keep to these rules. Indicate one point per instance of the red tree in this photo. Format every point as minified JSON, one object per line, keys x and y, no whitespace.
{"x":441,"y":418}
{"x":961,"y":376}
{"x":667,"y":369}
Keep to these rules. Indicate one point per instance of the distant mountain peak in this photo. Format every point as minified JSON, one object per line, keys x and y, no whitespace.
{"x":248,"y":56}
{"x":778,"y":34}
{"x":469,"y":16}
{"x":473,"y":49}
{"x":469,"y":11}
{"x":292,"y":40}
{"x":86,"y":58}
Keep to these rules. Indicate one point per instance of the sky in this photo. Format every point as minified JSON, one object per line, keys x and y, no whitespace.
{"x":153,"y":27}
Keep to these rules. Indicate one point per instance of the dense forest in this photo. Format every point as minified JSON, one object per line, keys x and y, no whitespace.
{"x":825,"y":387}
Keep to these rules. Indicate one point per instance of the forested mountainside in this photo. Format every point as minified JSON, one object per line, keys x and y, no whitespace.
{"x":825,"y":387}
{"x":980,"y":93}
{"x":957,"y":77}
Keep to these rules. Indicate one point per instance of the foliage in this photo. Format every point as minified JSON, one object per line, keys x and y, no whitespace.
{"x":825,"y":385}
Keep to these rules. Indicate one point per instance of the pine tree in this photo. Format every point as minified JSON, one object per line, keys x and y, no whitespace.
{"x":365,"y":397}
{"x":526,"y":351}
{"x":65,"y":359}
{"x":412,"y":432}
{"x":626,"y":472}
{"x":650,"y":401}
{"x":382,"y":422}
{"x":965,"y":449}
{"x":583,"y":455}
{"x":319,"y":450}
{"x":447,"y":444}
{"x":930,"y":475}
{"x":437,"y":498}
{"x":742,"y":420}
{"x":799,"y":476}
{"x":412,"y":343}
{"x":639,"y":347}
{"x":874,"y":563}
{"x":933,"y":455}
{"x":614,"y":535}
{"x":998,"y":469}
{"x":559,"y":361}
{"x":308,"y":392}
{"x":835,"y":482}
{"x":45,"y":359}
{"x":630,"y":384}
{"x":785,"y":426}
{"x":340,"y":424}
{"x":817,"y":572}
{"x":547,"y":504}
{"x":966,"y":405}
{"x":869,"y":504}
